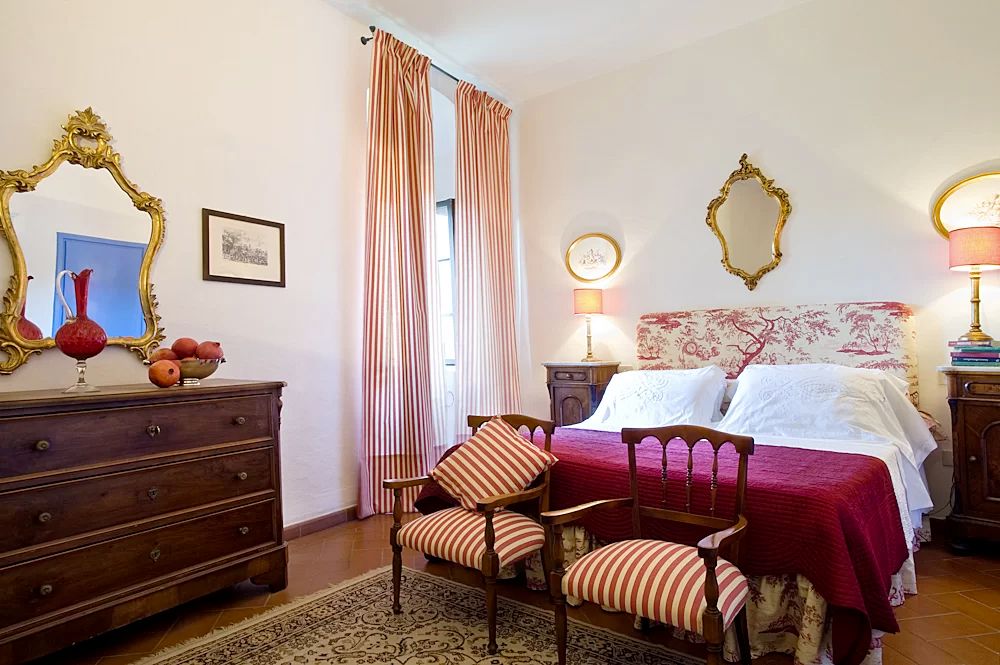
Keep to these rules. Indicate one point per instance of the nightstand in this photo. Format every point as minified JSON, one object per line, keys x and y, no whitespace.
{"x":974,"y":397}
{"x":575,"y":389}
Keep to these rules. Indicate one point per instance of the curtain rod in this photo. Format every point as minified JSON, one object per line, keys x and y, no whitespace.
{"x":365,"y":40}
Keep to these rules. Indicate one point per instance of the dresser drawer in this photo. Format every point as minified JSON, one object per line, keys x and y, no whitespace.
{"x":37,"y":444}
{"x":67,"y":509}
{"x":569,"y":375}
{"x":45,"y":585}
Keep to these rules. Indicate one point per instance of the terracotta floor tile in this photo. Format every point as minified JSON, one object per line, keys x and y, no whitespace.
{"x":945,"y":584}
{"x":921,"y":605}
{"x":944,"y":626}
{"x":919,"y":650}
{"x":989,"y":641}
{"x":960,"y":602}
{"x":189,"y":626}
{"x":989,"y":597}
{"x":968,"y":652}
{"x":892,"y":657}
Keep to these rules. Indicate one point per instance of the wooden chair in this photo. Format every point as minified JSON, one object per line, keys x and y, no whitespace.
{"x":655,"y":579}
{"x":438,"y":530}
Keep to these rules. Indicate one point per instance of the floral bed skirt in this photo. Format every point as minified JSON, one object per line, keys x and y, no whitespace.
{"x":785,"y":612}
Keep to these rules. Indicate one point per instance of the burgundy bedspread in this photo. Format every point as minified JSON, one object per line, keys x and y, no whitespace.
{"x":831,"y":517}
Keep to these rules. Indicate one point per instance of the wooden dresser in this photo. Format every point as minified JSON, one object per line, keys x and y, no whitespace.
{"x":118,"y":504}
{"x":575,"y":389}
{"x":974,"y":396}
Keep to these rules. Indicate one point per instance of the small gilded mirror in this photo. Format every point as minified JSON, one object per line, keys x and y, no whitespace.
{"x":747,"y":217}
{"x":78,"y":211}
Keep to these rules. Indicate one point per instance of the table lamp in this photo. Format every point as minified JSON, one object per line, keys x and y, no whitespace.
{"x":973,"y":250}
{"x":587,"y":302}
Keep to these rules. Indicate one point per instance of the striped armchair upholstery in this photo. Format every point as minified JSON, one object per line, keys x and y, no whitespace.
{"x":458,"y":535}
{"x":656,"y":580}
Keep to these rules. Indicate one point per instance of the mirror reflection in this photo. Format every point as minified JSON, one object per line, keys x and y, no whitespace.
{"x":747,"y":220}
{"x":80,"y":218}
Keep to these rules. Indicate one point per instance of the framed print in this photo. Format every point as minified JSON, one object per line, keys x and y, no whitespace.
{"x":242,"y":249}
{"x":974,"y":201}
{"x":593,"y":256}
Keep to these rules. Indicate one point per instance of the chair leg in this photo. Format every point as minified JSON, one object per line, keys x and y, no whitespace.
{"x":491,"y":613}
{"x":743,"y":636}
{"x":560,"y":607}
{"x":397,"y":577}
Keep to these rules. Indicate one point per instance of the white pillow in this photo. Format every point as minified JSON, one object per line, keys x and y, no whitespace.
{"x":655,"y":398}
{"x":828,"y":402}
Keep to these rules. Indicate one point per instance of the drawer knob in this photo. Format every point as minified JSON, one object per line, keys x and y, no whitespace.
{"x":240,"y":420}
{"x":153,"y":430}
{"x":244,"y":530}
{"x":152,"y":493}
{"x":42,"y":445}
{"x":45,"y":590}
{"x":44,"y":518}
{"x":155,"y":554}
{"x":242,"y":475}
{"x":972,"y":458}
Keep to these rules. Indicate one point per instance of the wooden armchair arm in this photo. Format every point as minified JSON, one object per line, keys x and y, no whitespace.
{"x":713,"y":542}
{"x":400,"y":483}
{"x":566,"y":515}
{"x":501,"y":500}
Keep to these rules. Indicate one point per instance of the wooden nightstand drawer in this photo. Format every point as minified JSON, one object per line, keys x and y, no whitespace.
{"x":575,"y":389}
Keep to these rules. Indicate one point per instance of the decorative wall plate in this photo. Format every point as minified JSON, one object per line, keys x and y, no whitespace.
{"x":593,"y":256}
{"x":973,"y":201}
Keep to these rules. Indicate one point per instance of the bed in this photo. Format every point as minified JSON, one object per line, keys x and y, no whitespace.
{"x":833,"y":522}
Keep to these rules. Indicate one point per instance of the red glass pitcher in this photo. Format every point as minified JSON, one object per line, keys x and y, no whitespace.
{"x":79,"y":337}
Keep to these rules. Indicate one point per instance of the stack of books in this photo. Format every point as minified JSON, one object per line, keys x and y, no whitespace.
{"x":975,"y":354}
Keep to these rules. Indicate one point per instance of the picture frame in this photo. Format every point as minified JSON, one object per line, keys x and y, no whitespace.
{"x":593,"y":257}
{"x":241,"y":249}
{"x":973,"y":201}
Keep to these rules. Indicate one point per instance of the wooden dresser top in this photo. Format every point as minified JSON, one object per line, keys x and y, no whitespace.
{"x":136,"y":391}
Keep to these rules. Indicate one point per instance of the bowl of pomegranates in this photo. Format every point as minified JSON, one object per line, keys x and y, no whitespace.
{"x":186,"y":362}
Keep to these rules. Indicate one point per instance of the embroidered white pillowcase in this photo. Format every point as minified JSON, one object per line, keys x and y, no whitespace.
{"x":659,"y":397}
{"x":496,"y":460}
{"x":820,"y":401}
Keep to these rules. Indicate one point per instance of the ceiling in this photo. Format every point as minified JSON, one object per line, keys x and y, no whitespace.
{"x":520,"y":49}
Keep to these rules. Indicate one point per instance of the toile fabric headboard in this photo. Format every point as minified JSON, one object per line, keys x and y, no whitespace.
{"x":878,"y":335}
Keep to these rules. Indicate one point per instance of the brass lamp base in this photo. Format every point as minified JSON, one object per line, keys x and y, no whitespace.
{"x":975,"y":333}
{"x":589,"y":358}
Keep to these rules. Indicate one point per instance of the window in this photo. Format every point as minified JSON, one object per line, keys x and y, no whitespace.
{"x":444,"y":234}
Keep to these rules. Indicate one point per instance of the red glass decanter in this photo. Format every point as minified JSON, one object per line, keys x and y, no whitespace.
{"x":79,"y":337}
{"x":25,"y":328}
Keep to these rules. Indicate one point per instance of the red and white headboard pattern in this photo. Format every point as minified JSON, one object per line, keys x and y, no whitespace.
{"x":879,"y":335}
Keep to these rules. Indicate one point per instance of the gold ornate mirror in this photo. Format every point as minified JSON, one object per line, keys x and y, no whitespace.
{"x":76,"y":211}
{"x":747,"y":217}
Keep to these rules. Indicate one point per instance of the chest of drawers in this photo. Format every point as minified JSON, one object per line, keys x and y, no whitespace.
{"x":120,"y":504}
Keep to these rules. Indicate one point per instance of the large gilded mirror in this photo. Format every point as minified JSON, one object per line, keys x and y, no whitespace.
{"x":77,"y":211}
{"x":747,"y":217}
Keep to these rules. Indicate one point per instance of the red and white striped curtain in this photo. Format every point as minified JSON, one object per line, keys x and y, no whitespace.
{"x":486,"y":362}
{"x":399,"y":370}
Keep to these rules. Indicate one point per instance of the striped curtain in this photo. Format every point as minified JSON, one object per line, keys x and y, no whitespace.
{"x":486,"y":362}
{"x":400,"y":373}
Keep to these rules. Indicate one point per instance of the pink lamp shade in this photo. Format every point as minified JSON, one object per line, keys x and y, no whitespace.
{"x":974,"y":248}
{"x":588,"y":301}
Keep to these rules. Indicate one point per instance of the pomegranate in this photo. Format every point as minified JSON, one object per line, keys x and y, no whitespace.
{"x":164,"y":373}
{"x":162,"y":353}
{"x":209,"y":351}
{"x":184,"y":347}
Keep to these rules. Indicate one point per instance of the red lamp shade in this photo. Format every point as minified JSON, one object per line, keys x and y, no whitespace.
{"x":588,"y":301}
{"x":974,"y":248}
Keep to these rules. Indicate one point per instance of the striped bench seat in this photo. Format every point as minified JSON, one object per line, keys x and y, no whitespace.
{"x":459,"y":536}
{"x":657,"y":580}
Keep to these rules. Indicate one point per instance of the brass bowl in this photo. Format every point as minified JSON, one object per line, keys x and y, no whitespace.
{"x":193,"y":370}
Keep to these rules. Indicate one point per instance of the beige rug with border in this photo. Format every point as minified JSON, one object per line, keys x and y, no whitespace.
{"x":443,"y":623}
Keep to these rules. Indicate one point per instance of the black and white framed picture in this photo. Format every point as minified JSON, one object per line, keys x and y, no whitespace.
{"x":242,"y":249}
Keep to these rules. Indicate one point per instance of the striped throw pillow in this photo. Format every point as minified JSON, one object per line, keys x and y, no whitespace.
{"x":496,"y":460}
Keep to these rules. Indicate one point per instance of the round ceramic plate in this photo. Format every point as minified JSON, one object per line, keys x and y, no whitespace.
{"x":974,"y":201}
{"x":593,"y":256}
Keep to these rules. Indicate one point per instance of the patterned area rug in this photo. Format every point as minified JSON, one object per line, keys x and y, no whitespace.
{"x":443,"y":623}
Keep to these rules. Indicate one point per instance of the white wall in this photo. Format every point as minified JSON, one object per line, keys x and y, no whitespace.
{"x":255,"y":107}
{"x":860,"y":109}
